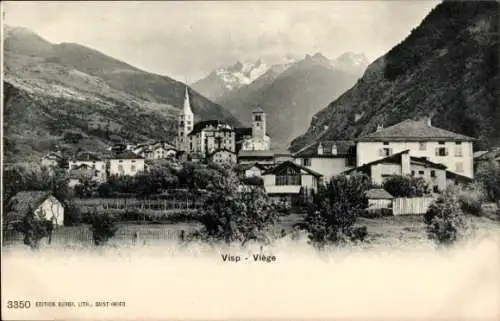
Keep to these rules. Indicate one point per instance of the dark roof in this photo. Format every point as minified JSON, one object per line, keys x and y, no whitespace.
{"x":344,"y":148}
{"x":255,"y":154}
{"x":126,"y":155}
{"x":86,"y":157}
{"x":258,"y":110}
{"x":199,"y":126}
{"x":24,"y":200}
{"x":221,"y":150}
{"x":293,"y":165}
{"x":244,"y":167}
{"x":378,"y":193}
{"x":425,"y":162}
{"x":458,"y":178}
{"x":396,"y":159}
{"x":413,"y":130}
{"x":494,"y":154}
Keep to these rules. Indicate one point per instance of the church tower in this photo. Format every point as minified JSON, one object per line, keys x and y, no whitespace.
{"x":259,"y":124}
{"x":184,"y":124}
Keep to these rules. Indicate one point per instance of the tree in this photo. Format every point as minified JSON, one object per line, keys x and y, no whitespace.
{"x":444,"y":220}
{"x":331,"y":216}
{"x":103,"y":227}
{"x":406,"y":186}
{"x":489,"y":177}
{"x":233,"y":212}
{"x":33,"y":226}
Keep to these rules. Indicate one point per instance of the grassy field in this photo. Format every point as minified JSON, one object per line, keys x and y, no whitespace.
{"x":400,"y":231}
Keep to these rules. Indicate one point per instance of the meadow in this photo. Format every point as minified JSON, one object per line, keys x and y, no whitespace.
{"x":395,"y":231}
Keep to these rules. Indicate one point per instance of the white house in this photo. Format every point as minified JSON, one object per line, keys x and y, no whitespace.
{"x":436,"y":175}
{"x":91,"y":161}
{"x":422,"y":140}
{"x":378,"y":198}
{"x":157,"y":150}
{"x":42,"y":203}
{"x":329,"y":158}
{"x":126,"y":163}
{"x":223,"y":156}
{"x":252,"y":169}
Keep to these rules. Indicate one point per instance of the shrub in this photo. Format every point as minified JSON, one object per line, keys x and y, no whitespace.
{"x":444,"y":219}
{"x":103,"y":227}
{"x":232,"y":213}
{"x":34,"y":227}
{"x":489,"y":177}
{"x":471,"y":199}
{"x":406,"y":186}
{"x":331,"y":216}
{"x":72,"y":215}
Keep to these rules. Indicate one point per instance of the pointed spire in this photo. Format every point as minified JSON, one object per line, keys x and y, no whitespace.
{"x":187,"y":104}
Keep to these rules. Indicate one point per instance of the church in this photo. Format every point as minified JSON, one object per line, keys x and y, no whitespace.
{"x":218,"y":140}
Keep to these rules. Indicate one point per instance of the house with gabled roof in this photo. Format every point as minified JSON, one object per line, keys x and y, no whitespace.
{"x":126,"y":163}
{"x":328,"y":157}
{"x":289,"y":181}
{"x":402,"y":163}
{"x":90,"y":161}
{"x":223,"y":156}
{"x":434,"y":144}
{"x":42,"y":203}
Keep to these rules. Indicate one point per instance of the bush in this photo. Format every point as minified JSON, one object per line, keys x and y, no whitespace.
{"x":406,"y":186}
{"x":72,"y":215}
{"x":232,"y":214}
{"x":489,"y":177}
{"x":34,"y":227}
{"x":444,"y":219}
{"x":378,"y":212}
{"x":331,"y":216}
{"x":103,"y":227}
{"x":471,"y":199}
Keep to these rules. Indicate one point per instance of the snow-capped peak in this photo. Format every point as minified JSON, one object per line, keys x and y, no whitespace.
{"x":350,"y":59}
{"x":241,"y":73}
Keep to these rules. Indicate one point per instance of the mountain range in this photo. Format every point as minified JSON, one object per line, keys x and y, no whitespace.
{"x":292,"y":93}
{"x":69,"y":97}
{"x":447,"y":68}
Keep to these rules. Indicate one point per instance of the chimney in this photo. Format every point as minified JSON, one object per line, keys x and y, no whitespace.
{"x":429,"y":121}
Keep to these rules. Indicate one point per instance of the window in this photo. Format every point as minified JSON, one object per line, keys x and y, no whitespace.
{"x":258,"y":118}
{"x":306,"y":162}
{"x":422,"y":146}
{"x":458,"y":143}
{"x":350,"y":161}
{"x":132,"y":168}
{"x":441,"y":151}
{"x":435,"y":189}
{"x":120,"y":168}
{"x":441,"y":143}
{"x":412,"y":173}
{"x":386,"y":152}
{"x":120,"y":161}
{"x":386,"y":143}
{"x":433,"y":173}
{"x":459,"y":167}
{"x":421,"y":173}
{"x":458,"y":151}
{"x":288,"y":179}
{"x":133,"y":161}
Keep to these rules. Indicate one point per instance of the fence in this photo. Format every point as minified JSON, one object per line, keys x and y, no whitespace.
{"x":411,"y":206}
{"x":139,"y":204}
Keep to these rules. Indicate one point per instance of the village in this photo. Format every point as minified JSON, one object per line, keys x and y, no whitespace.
{"x":135,"y":184}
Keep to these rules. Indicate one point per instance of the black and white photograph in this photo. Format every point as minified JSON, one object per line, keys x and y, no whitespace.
{"x":250,"y":160}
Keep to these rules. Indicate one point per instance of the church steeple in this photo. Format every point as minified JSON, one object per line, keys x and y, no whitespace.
{"x":187,"y":104}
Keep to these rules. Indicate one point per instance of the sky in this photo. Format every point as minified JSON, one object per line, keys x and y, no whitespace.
{"x":187,"y":40}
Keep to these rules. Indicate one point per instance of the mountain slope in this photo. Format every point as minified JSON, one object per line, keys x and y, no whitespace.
{"x":290,"y":94}
{"x":224,"y":80}
{"x":50,"y":89}
{"x":447,"y":67}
